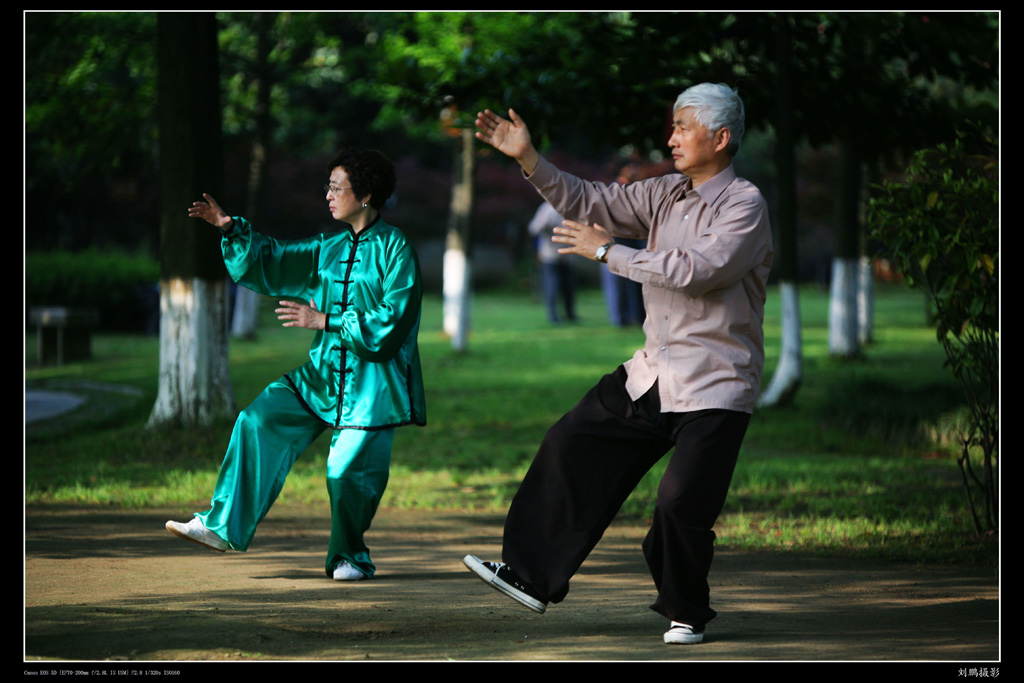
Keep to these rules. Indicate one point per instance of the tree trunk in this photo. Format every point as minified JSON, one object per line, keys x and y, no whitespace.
{"x":195,"y":387}
{"x":245,"y":316}
{"x":842,"y":311}
{"x":865,"y":300}
{"x":865,"y":269}
{"x":789,"y":372}
{"x":457,"y":265}
{"x":245,"y":313}
{"x":843,"y":323}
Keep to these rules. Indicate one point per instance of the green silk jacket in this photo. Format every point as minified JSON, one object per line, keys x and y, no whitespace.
{"x":364,"y":370}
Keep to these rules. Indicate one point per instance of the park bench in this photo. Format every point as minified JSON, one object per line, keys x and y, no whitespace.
{"x":63,"y":334}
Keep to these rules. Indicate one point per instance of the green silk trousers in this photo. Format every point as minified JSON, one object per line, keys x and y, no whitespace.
{"x":267,"y":439}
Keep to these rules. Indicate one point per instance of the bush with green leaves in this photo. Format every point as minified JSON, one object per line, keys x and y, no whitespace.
{"x":941,"y":229}
{"x":122,"y":287}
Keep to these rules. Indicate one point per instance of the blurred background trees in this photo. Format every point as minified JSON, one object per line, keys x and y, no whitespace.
{"x":835,"y":102}
{"x":595,"y":87}
{"x":296,"y":86}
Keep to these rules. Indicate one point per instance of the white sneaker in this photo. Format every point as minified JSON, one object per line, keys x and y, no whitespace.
{"x":346,"y":572}
{"x":197,"y":532}
{"x":679,"y":632}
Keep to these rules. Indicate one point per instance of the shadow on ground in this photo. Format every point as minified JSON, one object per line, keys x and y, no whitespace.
{"x":104,"y":584}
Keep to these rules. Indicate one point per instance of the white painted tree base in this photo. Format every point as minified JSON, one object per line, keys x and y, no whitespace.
{"x":457,"y":297}
{"x":865,"y":301}
{"x":195,"y":387}
{"x":245,"y":317}
{"x":842,"y":312}
{"x":789,"y":373}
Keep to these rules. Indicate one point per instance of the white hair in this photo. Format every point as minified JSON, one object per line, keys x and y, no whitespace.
{"x":716,"y":106}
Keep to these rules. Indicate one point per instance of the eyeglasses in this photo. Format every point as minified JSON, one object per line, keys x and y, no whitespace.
{"x":334,"y":189}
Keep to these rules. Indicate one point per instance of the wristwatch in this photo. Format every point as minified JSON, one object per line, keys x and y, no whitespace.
{"x":602,"y":252}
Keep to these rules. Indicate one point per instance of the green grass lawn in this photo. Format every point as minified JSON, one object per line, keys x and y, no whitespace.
{"x":861,"y":464}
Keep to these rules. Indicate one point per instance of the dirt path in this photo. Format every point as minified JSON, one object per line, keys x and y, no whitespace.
{"x":103,"y":584}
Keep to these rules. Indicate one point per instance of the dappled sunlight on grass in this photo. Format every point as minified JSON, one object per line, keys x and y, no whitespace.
{"x":860,"y":463}
{"x":937,"y":538}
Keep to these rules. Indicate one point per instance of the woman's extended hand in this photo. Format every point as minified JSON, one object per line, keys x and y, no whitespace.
{"x":508,"y":137}
{"x":210,"y":212}
{"x":301,"y":315}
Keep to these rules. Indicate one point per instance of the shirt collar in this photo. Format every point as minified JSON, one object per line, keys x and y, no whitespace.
{"x":711,"y":189}
{"x":377,"y":221}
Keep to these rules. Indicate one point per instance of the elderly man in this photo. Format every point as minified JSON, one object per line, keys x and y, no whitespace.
{"x":693,"y":385}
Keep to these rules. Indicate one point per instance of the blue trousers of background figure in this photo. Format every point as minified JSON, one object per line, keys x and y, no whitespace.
{"x":268,"y":437}
{"x":624,"y":297}
{"x":559,"y":278}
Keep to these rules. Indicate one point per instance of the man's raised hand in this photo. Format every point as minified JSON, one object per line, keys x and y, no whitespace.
{"x":510,"y":137}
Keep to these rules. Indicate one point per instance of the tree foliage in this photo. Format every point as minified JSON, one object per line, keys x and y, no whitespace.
{"x":941,"y":228}
{"x":573,"y":75}
{"x":592,"y":81}
{"x":90,"y":124}
{"x":83,"y":79}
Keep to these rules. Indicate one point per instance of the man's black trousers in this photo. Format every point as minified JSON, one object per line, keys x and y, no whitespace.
{"x":588,"y":464}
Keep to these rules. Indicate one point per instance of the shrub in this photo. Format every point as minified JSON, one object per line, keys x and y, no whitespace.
{"x":942,"y":228}
{"x":122,"y":287}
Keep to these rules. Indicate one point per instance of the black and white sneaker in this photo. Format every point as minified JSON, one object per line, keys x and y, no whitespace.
{"x":686,"y":634}
{"x":499,"y":577}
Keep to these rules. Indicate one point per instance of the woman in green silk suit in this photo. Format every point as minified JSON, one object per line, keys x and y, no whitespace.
{"x":363,"y":378}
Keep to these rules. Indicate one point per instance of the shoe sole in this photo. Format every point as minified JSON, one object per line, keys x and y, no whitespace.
{"x":683,"y":639}
{"x":357,"y":576}
{"x":476,"y":566}
{"x":177,"y":533}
